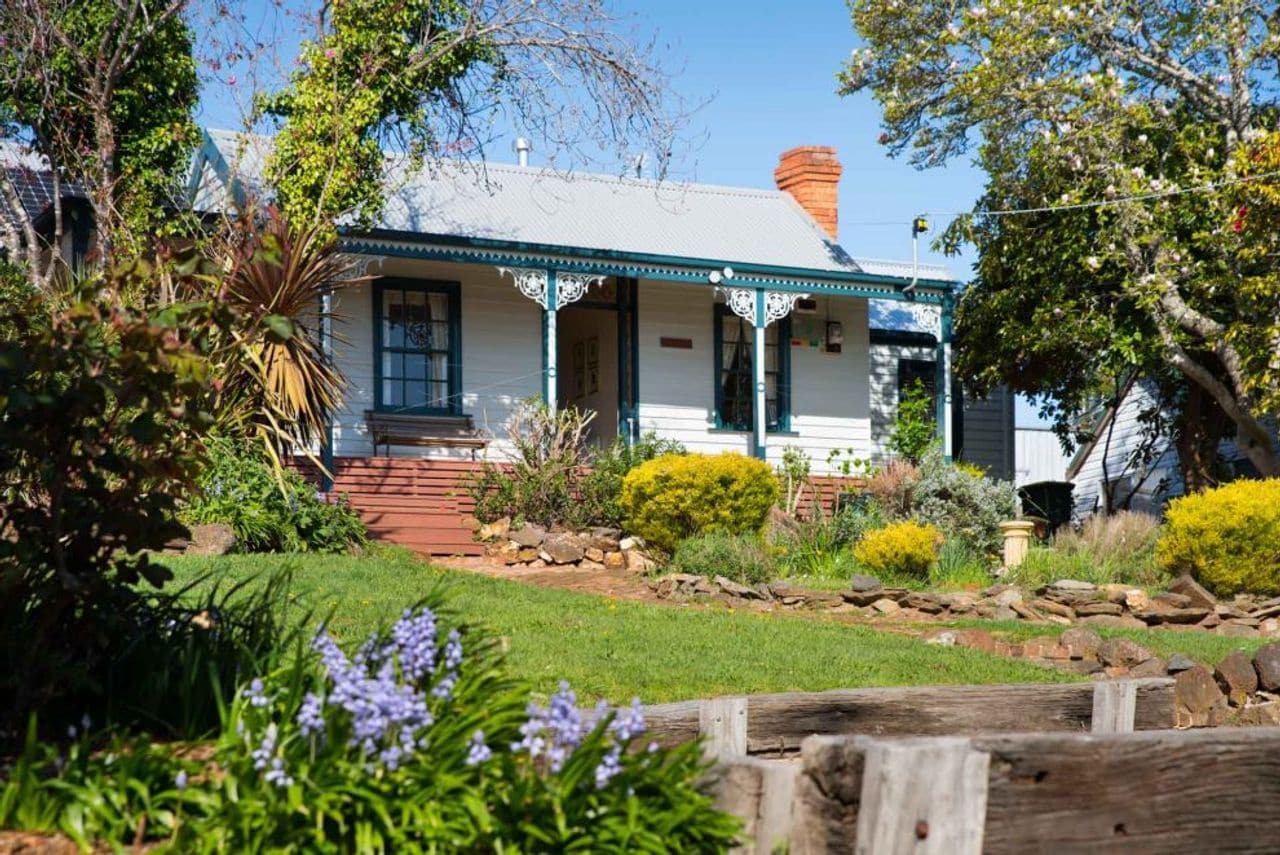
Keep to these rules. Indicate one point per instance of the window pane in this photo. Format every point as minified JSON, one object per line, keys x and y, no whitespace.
{"x":438,"y":313}
{"x":392,"y":393}
{"x":414,"y":365}
{"x":438,"y":394}
{"x":438,"y":367}
{"x":392,"y":364}
{"x":392,"y":319}
{"x":415,"y":393}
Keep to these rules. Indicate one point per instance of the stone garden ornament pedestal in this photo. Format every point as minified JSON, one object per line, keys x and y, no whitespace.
{"x":1017,"y":541}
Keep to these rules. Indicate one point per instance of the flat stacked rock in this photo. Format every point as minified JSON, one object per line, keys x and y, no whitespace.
{"x":1067,"y":602}
{"x":532,"y":546}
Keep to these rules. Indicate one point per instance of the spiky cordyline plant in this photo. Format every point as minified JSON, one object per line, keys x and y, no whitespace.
{"x":281,"y":386}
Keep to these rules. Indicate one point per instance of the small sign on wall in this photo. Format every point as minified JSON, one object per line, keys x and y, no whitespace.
{"x":676,"y":343}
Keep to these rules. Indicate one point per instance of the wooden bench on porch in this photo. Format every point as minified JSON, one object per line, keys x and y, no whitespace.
{"x":388,"y":429}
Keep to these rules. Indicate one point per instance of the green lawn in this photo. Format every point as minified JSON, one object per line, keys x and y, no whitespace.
{"x":618,"y":649}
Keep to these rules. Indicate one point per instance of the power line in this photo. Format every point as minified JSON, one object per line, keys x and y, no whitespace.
{"x":1076,"y":206}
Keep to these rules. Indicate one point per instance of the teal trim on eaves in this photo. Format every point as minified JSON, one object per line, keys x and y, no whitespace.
{"x":666,"y":268}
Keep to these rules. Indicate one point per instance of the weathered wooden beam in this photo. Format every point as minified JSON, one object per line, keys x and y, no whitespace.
{"x":761,"y":793}
{"x":1211,"y":790}
{"x":1115,"y":704}
{"x":776,"y":724}
{"x":722,"y":724}
{"x":922,"y":797}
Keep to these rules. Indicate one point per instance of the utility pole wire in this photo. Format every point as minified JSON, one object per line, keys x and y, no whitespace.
{"x":1076,"y":206}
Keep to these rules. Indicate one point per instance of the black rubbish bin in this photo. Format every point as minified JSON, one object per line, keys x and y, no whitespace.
{"x":1048,"y":500}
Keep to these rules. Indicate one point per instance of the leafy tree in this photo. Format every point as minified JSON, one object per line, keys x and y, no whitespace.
{"x":101,"y":92}
{"x":1155,"y":109}
{"x":1049,"y":318}
{"x":428,"y":78}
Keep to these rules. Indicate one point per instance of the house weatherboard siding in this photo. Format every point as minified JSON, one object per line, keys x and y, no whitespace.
{"x":501,"y":365}
{"x":1152,"y":484}
{"x":1040,"y":457}
{"x":668,"y":308}
{"x":1158,"y":481}
{"x":829,"y":403}
{"x":501,"y":354}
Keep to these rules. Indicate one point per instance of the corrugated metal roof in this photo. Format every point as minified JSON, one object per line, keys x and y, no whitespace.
{"x":30,"y":175}
{"x":531,"y":205}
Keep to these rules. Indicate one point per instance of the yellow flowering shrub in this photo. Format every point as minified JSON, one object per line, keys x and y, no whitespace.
{"x":902,"y":548}
{"x":1227,"y":538}
{"x":677,"y":496}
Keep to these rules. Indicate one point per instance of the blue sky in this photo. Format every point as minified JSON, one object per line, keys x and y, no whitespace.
{"x":767,"y":70}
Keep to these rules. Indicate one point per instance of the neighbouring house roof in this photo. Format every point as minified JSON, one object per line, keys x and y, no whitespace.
{"x":33,"y":180}
{"x":540,"y":207}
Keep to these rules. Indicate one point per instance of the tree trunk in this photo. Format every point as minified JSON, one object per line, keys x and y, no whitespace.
{"x":1199,"y":430}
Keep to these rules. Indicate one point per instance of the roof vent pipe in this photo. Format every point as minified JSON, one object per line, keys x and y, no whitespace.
{"x":522,"y":147}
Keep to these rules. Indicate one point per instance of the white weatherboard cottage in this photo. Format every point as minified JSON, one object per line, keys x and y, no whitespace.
{"x":726,"y":318}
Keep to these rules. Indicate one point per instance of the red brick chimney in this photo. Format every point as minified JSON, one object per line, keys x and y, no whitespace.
{"x":810,"y":173}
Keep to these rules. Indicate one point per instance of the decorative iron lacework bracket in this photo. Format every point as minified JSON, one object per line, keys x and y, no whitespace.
{"x":570,"y":287}
{"x":532,"y":282}
{"x":360,"y":264}
{"x":742,"y":302}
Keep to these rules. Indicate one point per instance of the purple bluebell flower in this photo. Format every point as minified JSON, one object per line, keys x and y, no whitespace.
{"x":255,"y":693}
{"x":311,"y":715}
{"x":382,"y":689}
{"x":629,"y":722}
{"x":609,"y":766}
{"x":180,"y":779}
{"x":444,"y":689}
{"x":277,"y":775}
{"x":554,"y":732}
{"x":453,"y":651}
{"x":477,"y":751}
{"x":266,"y":749}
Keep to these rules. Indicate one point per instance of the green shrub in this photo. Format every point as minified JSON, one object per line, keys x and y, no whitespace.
{"x":674,"y":497}
{"x":1227,"y":538}
{"x":741,"y":557}
{"x":821,"y":546}
{"x":964,"y":506}
{"x":240,"y":488}
{"x":958,"y":565}
{"x":555,"y":477}
{"x":907,"y":548}
{"x":600,"y":490}
{"x":850,"y":525}
{"x":417,"y":743}
{"x":102,"y":412}
{"x":913,"y":431}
